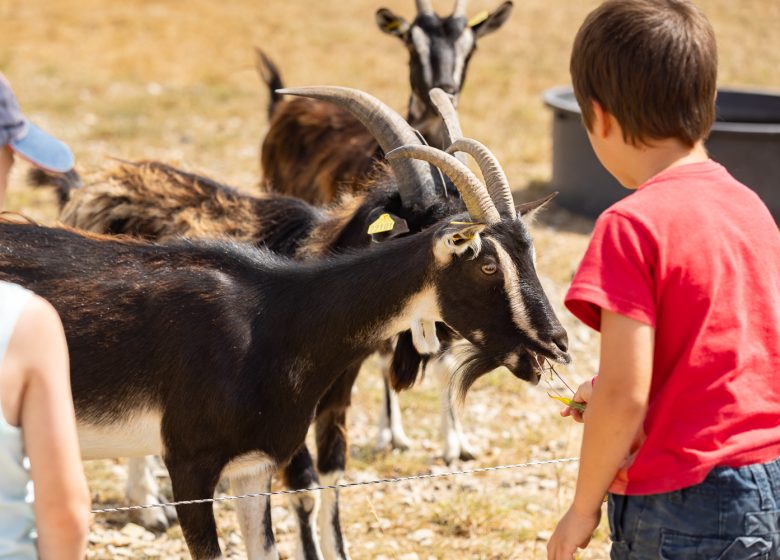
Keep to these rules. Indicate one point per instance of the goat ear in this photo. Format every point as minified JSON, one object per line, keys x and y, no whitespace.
{"x":456,"y":238}
{"x":390,"y":23}
{"x":528,"y":210}
{"x":485,"y":23}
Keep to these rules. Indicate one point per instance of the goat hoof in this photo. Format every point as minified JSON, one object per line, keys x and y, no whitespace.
{"x":153,"y":519}
{"x":401,"y":442}
{"x":170,"y":515}
{"x":467,"y":454}
{"x":450,"y":457}
{"x":383,"y":440}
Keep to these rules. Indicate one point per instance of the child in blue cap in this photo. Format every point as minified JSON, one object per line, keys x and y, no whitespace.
{"x":37,"y":419}
{"x":19,"y":136}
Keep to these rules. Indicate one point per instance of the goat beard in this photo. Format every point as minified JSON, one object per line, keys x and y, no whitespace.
{"x":474,"y":363}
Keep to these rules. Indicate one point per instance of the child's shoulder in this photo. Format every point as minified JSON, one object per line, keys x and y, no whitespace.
{"x":693,"y":196}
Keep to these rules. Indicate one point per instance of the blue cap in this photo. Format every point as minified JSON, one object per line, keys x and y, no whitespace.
{"x":33,"y":144}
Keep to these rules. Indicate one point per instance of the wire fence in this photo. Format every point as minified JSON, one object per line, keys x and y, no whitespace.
{"x":394,"y":480}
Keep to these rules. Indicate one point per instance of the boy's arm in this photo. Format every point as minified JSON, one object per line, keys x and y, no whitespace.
{"x":614,"y":417}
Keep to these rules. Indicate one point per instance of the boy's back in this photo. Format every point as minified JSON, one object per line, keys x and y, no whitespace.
{"x":682,"y":280}
{"x":696,"y":254}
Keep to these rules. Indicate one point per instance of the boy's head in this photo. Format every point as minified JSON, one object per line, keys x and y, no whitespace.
{"x":652,"y":65}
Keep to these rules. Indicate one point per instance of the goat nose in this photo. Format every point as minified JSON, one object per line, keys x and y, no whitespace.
{"x":450,"y":89}
{"x":561,"y":340}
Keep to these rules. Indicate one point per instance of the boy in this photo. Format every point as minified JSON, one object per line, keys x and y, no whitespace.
{"x":682,"y":278}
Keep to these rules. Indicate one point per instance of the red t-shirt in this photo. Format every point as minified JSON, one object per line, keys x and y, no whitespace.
{"x":696,"y":255}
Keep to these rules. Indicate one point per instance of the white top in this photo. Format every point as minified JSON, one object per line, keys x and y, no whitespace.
{"x":17,"y":522}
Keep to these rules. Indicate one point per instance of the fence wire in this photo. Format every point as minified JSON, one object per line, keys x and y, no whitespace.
{"x":394,"y":480}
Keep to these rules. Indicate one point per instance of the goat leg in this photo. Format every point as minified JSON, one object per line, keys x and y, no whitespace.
{"x":391,"y":429}
{"x":254,"y":514}
{"x":142,"y":488}
{"x":456,"y":445}
{"x":299,"y":474}
{"x":331,"y":435}
{"x":194,"y":479}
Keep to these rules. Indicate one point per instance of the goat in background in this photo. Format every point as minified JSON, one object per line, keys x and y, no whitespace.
{"x":316,"y":150}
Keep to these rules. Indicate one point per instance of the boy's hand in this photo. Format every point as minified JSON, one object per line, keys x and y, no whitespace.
{"x":574,"y":531}
{"x":583,"y":395}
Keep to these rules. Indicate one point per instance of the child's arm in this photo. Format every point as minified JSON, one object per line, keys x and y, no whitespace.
{"x":615,"y":415}
{"x":48,"y":423}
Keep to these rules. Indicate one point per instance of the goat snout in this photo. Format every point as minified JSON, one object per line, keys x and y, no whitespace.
{"x":559,"y":342}
{"x":449,"y":88}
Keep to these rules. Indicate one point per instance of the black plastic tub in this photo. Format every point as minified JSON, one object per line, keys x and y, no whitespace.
{"x":745,"y":139}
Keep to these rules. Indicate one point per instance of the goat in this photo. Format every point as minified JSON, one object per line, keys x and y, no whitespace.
{"x":217,"y":355}
{"x":156,"y":201}
{"x":316,"y":151}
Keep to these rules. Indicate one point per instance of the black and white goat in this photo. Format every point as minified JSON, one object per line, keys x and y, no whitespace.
{"x":217,"y":355}
{"x":316,"y":151}
{"x":156,"y":201}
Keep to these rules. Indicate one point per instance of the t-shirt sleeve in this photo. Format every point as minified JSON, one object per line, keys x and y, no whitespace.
{"x":616,"y":273}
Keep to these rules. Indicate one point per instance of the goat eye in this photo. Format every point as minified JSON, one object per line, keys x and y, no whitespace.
{"x":489,"y":268}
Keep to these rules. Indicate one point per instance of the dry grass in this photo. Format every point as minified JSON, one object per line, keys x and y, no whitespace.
{"x":175,"y":81}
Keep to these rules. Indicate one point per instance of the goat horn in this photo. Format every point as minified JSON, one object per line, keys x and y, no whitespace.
{"x":474,"y":193}
{"x":460,"y":8}
{"x":448,"y":114}
{"x":416,"y":184}
{"x":495,"y":178}
{"x":424,"y":7}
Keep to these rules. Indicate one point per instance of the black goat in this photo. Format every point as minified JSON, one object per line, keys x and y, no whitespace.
{"x":317,"y":151}
{"x":216,"y":355}
{"x":156,"y":201}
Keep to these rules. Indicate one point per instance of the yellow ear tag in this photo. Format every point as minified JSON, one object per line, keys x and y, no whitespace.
{"x":392,"y":26}
{"x":479,"y":18}
{"x":578,"y":406}
{"x":464,"y":237}
{"x":381,"y":224}
{"x":460,"y":236}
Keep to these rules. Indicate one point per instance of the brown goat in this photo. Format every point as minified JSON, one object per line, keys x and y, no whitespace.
{"x":316,"y":151}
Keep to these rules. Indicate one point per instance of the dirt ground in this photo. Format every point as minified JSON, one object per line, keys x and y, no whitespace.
{"x":176,"y":82}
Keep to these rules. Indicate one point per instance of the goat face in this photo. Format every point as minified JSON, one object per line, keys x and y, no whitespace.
{"x":439,"y":50}
{"x":488,"y":291}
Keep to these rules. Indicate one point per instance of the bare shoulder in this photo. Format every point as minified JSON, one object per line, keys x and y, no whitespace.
{"x":38,"y":337}
{"x":37,"y":322}
{"x":37,"y":342}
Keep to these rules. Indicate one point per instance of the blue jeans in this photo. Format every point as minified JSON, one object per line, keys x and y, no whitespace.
{"x":734,"y":514}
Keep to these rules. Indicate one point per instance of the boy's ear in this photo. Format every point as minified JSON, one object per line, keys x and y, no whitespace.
{"x":391,"y":24}
{"x":602,"y":122}
{"x":528,"y":210}
{"x":485,"y":23}
{"x":456,"y":238}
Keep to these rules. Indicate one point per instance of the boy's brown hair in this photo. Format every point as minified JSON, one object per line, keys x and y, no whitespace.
{"x":652,"y":64}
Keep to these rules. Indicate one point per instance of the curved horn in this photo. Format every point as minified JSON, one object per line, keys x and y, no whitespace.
{"x":460,"y":8}
{"x":495,"y":178}
{"x":416,"y":184}
{"x":443,"y":103}
{"x":474,"y":193}
{"x":424,"y":7}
